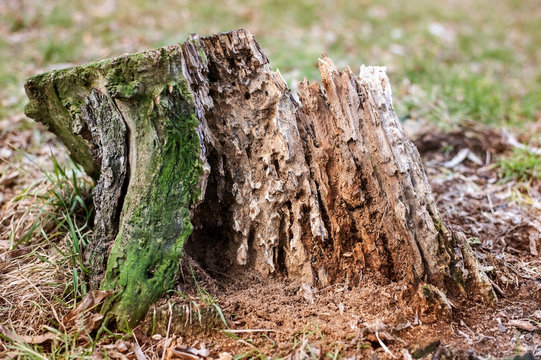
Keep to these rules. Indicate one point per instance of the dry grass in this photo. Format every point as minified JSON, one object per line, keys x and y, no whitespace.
{"x":41,"y":272}
{"x":30,"y":285}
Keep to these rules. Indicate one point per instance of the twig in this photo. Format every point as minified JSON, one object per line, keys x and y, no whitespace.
{"x":138,"y":351}
{"x":168,"y":328}
{"x":490,"y":203}
{"x":240,"y":331}
{"x":384,"y":346}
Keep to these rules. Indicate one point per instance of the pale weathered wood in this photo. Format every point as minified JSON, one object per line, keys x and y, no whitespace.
{"x":372,"y":186}
{"x":258,"y":189}
{"x":205,"y":134}
{"x":322,"y":189}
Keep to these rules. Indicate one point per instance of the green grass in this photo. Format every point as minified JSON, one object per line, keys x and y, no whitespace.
{"x":66,"y":345}
{"x":60,"y":52}
{"x":62,"y":222}
{"x":207,"y":299}
{"x":522,"y":165}
{"x":70,"y":195}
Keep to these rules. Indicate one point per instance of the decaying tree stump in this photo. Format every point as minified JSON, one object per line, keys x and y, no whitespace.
{"x":201,"y":146}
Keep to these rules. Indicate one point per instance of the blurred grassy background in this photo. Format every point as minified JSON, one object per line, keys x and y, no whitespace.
{"x":448,"y":61}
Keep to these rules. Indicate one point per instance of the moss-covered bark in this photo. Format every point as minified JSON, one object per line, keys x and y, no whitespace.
{"x":130,"y":122}
{"x":144,"y":259}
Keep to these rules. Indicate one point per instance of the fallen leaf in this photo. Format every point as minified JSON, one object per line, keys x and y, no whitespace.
{"x":187,"y":352}
{"x":9,"y":334}
{"x":522,"y":324}
{"x":15,"y":253}
{"x":111,"y":354}
{"x":33,"y":340}
{"x":92,"y":322}
{"x":91,"y":300}
{"x":40,"y":339}
{"x":138,"y":351}
{"x":183,"y":355}
{"x":119,"y":346}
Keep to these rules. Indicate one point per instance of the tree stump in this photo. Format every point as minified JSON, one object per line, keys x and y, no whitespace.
{"x":200,"y":147}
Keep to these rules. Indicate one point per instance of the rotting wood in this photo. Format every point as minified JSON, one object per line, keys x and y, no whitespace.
{"x":206,"y":135}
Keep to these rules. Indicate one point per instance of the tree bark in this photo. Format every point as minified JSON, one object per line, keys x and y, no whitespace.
{"x":202,"y":146}
{"x":130,"y":122}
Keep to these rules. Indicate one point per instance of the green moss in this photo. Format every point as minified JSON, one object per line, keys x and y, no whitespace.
{"x":427,"y":292}
{"x":56,"y":97}
{"x":50,"y":106}
{"x":55,"y":100}
{"x":144,"y":261}
{"x":118,"y":87}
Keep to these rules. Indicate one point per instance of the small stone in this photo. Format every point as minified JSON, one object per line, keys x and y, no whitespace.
{"x":225,"y":356}
{"x":502,"y":328}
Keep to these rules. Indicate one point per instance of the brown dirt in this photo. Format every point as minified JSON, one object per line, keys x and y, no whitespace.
{"x":345,"y":318}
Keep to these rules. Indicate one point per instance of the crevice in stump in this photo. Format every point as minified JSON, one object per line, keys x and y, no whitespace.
{"x":110,"y":136}
{"x":249,"y":119}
